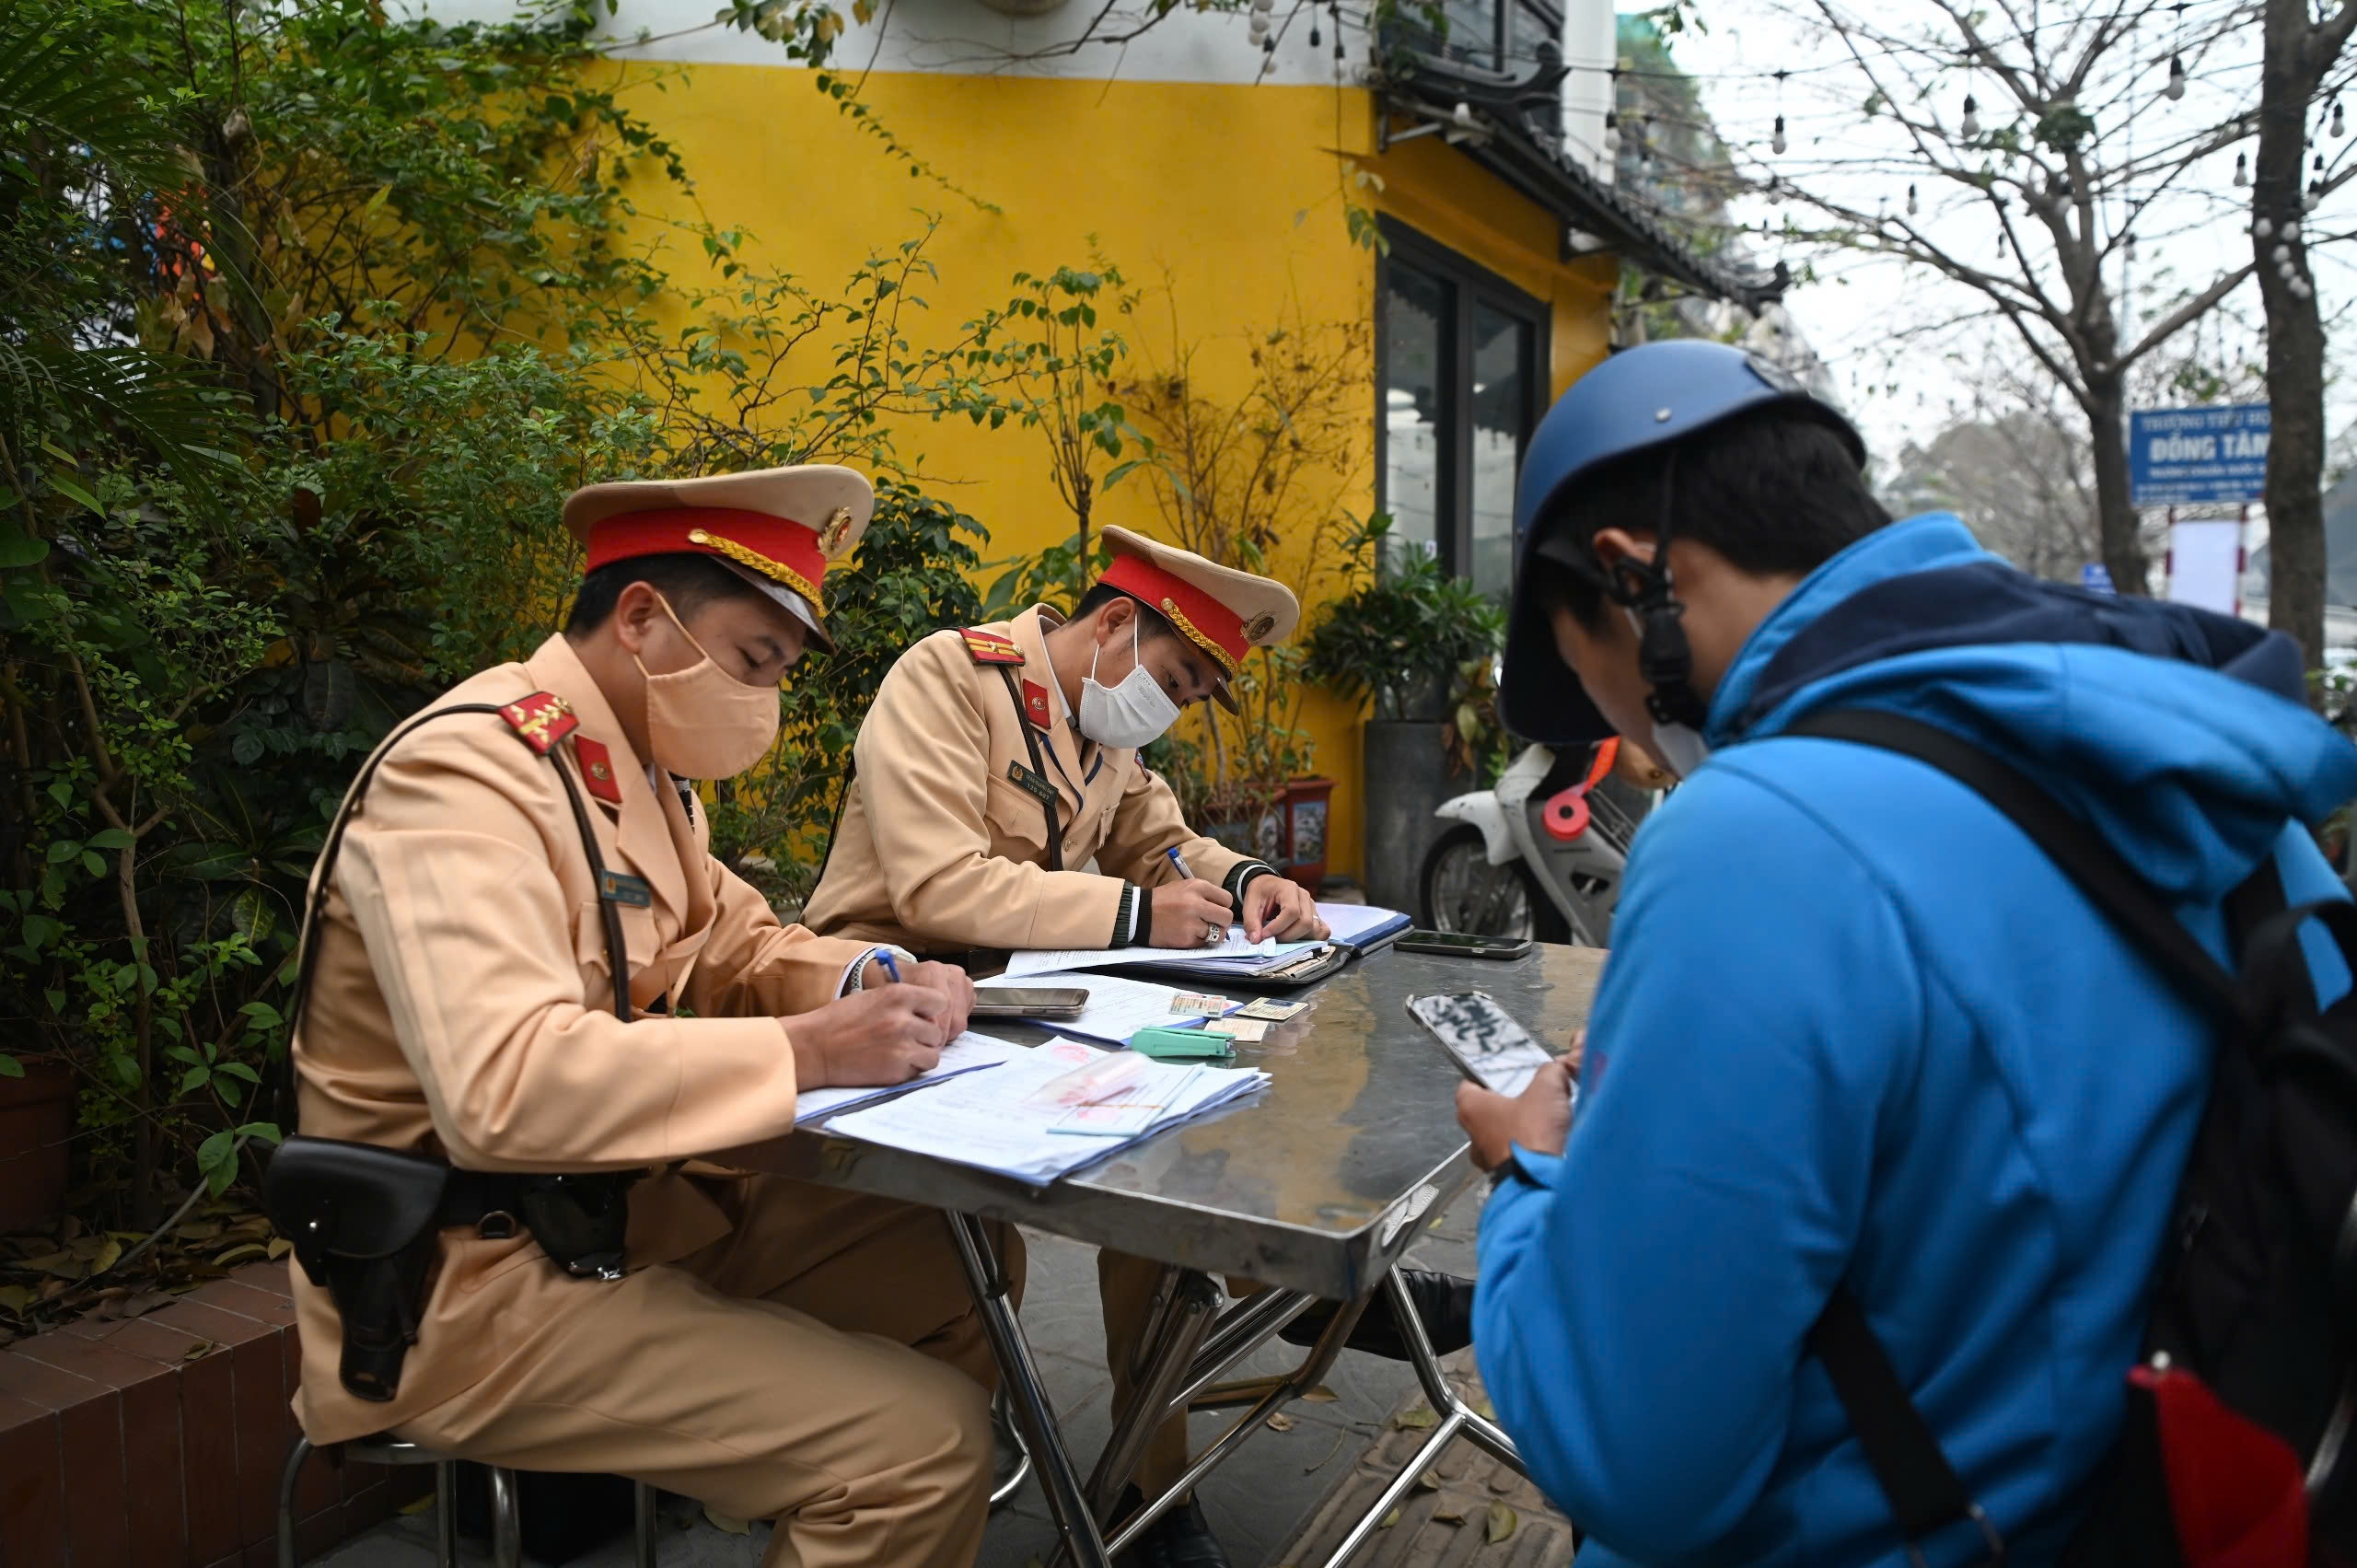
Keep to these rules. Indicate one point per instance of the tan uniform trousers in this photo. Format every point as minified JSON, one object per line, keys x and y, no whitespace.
{"x":821,"y":1366}
{"x":1125,"y":1289}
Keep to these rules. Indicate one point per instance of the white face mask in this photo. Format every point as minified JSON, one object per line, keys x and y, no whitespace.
{"x":1131,"y":714}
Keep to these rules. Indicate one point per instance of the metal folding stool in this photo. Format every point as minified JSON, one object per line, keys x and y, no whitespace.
{"x":506,"y":1528}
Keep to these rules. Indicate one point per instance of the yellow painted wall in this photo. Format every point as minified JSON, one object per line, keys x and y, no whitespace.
{"x":1224,"y":201}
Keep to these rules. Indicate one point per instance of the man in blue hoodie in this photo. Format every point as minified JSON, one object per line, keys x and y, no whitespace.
{"x":1856,"y":1029}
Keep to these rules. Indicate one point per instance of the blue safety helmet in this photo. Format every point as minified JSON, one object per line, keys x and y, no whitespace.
{"x":1637,"y":400}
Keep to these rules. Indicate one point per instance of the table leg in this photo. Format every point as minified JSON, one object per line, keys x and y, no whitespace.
{"x":1020,"y":1378}
{"x":1457,"y":1419}
{"x":1179,"y":1329}
{"x":1477,"y":1426}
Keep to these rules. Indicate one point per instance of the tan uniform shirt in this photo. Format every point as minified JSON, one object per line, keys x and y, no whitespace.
{"x":943,"y":844}
{"x":462,"y":1005}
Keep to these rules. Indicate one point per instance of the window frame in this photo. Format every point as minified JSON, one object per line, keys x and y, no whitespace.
{"x":1466,"y":281}
{"x":1499,"y":47}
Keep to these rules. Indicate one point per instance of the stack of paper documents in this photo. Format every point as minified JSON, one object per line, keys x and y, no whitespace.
{"x":1363,"y":925}
{"x":1043,"y":1113}
{"x":969,"y":1053}
{"x":1117,"y":1008}
{"x":1235,"y":955}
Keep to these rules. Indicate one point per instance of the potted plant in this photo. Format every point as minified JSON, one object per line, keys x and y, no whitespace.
{"x":1241,"y":781}
{"x":1396,"y":643}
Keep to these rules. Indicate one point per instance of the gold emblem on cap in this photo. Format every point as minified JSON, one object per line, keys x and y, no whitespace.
{"x":831,"y":537}
{"x":1260,"y":626}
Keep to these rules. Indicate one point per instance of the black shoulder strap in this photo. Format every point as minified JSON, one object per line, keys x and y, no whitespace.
{"x":315,"y":903}
{"x":2109,"y":882}
{"x":1923,"y":1488}
{"x":1039,"y":768}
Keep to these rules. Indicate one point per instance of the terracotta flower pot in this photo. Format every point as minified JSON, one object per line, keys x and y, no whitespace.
{"x":1305,"y":805}
{"x":36,"y":1145}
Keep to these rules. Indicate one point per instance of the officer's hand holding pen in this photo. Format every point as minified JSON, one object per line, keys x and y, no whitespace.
{"x":885,"y":1035}
{"x":1190,"y":912}
{"x":946,"y":978}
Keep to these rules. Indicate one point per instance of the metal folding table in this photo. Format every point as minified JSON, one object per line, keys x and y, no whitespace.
{"x":1313,"y":1188}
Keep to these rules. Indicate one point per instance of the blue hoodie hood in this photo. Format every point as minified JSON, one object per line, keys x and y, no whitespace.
{"x":2139,"y":716}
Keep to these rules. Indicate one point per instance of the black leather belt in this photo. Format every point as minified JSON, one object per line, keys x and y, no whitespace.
{"x":473,"y":1197}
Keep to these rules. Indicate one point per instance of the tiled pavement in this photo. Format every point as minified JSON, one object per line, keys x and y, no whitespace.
{"x":1273,"y":1495}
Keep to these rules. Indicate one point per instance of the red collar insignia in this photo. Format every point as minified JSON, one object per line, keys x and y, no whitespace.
{"x":1035,"y":704}
{"x":598,"y":770}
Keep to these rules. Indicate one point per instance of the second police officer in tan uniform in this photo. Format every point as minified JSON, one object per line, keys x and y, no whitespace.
{"x":776,"y":1350}
{"x":999,"y":762}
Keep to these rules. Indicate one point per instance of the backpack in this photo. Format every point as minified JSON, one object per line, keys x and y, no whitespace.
{"x":2236,"y":1451}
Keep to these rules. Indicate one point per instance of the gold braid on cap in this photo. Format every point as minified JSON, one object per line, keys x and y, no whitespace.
{"x":1179,"y":619}
{"x":758,"y":563}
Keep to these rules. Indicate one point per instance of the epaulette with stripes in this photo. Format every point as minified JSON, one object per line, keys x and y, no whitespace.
{"x":541,"y":720}
{"x":989,"y":647}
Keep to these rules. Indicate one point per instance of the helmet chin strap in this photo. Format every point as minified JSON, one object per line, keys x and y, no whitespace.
{"x":1664,"y":658}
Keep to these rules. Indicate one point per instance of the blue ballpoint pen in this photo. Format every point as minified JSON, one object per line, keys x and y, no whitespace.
{"x":1179,"y":862}
{"x":885,"y":958}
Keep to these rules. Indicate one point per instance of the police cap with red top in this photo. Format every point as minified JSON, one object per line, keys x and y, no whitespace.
{"x":1222,"y":611}
{"x":777,"y":528}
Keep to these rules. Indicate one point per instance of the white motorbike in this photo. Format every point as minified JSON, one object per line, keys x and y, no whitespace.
{"x":1541,"y":855}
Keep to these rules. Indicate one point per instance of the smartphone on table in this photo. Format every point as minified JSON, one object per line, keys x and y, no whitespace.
{"x":1484,"y":1041}
{"x":1029,"y":1002}
{"x":1463,"y":944}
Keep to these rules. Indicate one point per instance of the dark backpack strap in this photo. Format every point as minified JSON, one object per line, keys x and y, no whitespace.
{"x":2110,"y":883}
{"x":1923,"y":1488}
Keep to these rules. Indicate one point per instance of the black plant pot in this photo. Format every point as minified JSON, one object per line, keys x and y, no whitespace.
{"x":1406,"y":777}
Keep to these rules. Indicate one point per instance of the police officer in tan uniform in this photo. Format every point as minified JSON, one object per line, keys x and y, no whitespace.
{"x":998,"y":761}
{"x":776,"y":1350}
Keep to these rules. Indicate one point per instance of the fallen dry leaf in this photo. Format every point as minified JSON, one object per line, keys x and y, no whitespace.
{"x":15,"y":1298}
{"x":1415,"y":1419}
{"x":1281,"y":1423}
{"x":1388,"y":1520}
{"x":279,"y":1248}
{"x":1504,"y":1521}
{"x":418,"y":1505}
{"x":198,"y":1350}
{"x":1448,"y":1513}
{"x":723,"y":1522}
{"x":1321,"y":1395}
{"x":251,"y":1251}
{"x":108,"y":1257}
{"x":1485,"y":1409}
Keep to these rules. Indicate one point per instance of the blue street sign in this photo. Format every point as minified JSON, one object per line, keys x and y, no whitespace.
{"x":2096,"y":577}
{"x":2197,"y":457}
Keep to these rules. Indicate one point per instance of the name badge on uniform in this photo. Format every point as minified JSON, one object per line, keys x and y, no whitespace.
{"x":1031,"y":784}
{"x":619,"y":887}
